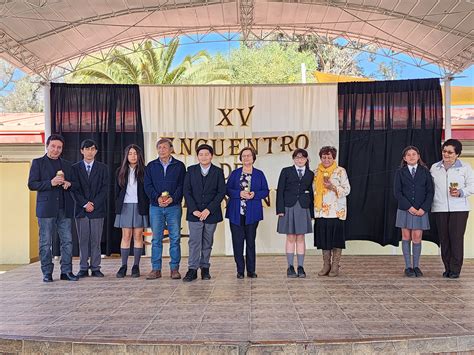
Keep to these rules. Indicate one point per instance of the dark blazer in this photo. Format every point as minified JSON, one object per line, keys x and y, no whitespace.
{"x":210,"y":195}
{"x":156,"y":182}
{"x":417,"y":192}
{"x":143,"y":201}
{"x":47,"y":198}
{"x":254,"y":212}
{"x":291,"y":189}
{"x":92,"y":188}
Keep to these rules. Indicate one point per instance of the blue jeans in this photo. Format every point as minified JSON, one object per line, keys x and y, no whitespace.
{"x":47,"y":227}
{"x":162,"y":218}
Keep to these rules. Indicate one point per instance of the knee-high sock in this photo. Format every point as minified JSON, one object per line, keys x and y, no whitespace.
{"x":406,"y":252}
{"x":290,"y":257}
{"x":124,"y":252}
{"x":137,"y":253}
{"x":300,"y":259}
{"x":416,"y":254}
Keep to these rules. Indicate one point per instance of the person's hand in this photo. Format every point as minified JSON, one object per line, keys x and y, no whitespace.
{"x":328,"y":185}
{"x":454,"y":192}
{"x":89,"y":207}
{"x":66,"y":185}
{"x":251,"y":195}
{"x":420,"y":212}
{"x":164,"y":201}
{"x":413,"y":211}
{"x":244,"y":195}
{"x":204,"y":215}
{"x":280,"y":214}
{"x":167,"y":201}
{"x":197,"y":214}
{"x":57,"y":180}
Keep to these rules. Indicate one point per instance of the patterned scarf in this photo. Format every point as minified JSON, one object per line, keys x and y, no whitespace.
{"x":320,"y":190}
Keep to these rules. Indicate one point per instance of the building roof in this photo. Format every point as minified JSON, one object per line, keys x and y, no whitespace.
{"x":24,"y":127}
{"x":36,"y":35}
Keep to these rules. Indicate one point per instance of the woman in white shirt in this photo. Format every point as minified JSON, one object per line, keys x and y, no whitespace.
{"x":454,"y":182}
{"x":131,"y":207}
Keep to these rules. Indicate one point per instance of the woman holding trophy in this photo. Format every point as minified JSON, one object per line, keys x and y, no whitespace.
{"x":454,"y":182}
{"x":246,"y":188}
{"x":331,"y":186}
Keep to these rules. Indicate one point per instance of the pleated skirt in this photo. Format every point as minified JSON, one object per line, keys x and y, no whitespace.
{"x":130,"y":217}
{"x":329,"y":233}
{"x":297,"y":220}
{"x":406,"y":220}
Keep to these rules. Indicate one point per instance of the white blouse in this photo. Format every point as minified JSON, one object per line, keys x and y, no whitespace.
{"x":131,"y":194}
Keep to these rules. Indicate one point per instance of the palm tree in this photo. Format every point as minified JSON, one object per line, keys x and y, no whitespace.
{"x":148,"y":64}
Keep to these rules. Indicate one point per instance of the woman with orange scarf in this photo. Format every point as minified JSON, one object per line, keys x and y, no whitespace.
{"x":331,"y":186}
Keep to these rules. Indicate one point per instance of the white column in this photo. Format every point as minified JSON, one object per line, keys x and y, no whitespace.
{"x":447,"y":107}
{"x":303,"y":73}
{"x":47,"y":110}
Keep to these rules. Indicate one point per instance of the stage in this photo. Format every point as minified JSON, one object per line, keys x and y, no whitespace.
{"x":371,"y":307}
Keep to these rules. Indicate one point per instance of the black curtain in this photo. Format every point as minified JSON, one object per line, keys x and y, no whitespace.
{"x":377,"y":120}
{"x":109,"y":114}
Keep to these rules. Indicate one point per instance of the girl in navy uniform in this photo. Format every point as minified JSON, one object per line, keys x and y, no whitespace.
{"x":413,"y":188}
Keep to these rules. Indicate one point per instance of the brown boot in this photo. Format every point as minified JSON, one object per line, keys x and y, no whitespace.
{"x":336,"y":258}
{"x":154,"y":274}
{"x":175,"y":275}
{"x":327,"y":263}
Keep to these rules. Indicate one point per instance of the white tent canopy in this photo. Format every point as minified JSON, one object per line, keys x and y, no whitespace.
{"x":36,"y":35}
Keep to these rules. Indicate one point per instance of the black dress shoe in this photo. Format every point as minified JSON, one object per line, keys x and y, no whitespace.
{"x":205,"y":275}
{"x":240,"y":275}
{"x":252,"y":275}
{"x":122,"y":272}
{"x":418,"y":272}
{"x":409,"y":272}
{"x":83,"y":273}
{"x":97,"y":273}
{"x":69,"y":277}
{"x":48,"y":278}
{"x":301,"y":272}
{"x":446,"y":273}
{"x":291,"y":273}
{"x":135,"y":271}
{"x":191,"y":275}
{"x":454,"y":275}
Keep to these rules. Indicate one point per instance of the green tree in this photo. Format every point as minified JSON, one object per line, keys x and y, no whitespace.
{"x":20,"y":93}
{"x":267,"y":63}
{"x":150,"y":64}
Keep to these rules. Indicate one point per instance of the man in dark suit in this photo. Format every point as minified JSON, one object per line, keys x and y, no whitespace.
{"x":53,"y":179}
{"x":204,"y":189}
{"x":91,"y":201}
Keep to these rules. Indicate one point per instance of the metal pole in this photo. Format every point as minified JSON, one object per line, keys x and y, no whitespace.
{"x":303,"y":73}
{"x":447,"y":107}
{"x":47,"y":110}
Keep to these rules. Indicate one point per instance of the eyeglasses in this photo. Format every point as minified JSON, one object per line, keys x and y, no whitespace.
{"x":449,"y":152}
{"x":300,"y":158}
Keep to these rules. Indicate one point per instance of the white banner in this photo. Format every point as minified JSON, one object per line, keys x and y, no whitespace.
{"x":275,"y":120}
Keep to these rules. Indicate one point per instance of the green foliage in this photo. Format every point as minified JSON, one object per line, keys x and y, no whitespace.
{"x":150,"y":64}
{"x":269,"y":63}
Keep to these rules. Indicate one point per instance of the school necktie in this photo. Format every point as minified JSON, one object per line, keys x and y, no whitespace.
{"x":413,"y":172}
{"x":88,"y":168}
{"x":300,"y":173}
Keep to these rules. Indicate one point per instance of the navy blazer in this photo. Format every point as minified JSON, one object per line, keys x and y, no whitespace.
{"x":143,"y":201}
{"x":417,"y":192}
{"x":47,"y":198}
{"x":210,"y":195}
{"x":94,"y":188}
{"x":254,"y":212}
{"x":291,"y":189}
{"x":156,"y":182}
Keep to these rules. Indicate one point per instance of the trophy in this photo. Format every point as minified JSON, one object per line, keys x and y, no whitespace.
{"x":326,"y":176}
{"x":453,"y":186}
{"x":165,"y":195}
{"x":60,"y":173}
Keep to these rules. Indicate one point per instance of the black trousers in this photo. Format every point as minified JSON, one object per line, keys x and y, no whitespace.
{"x":244,"y":234}
{"x":451,"y":228}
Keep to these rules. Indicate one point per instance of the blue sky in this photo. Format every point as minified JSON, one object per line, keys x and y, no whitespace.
{"x":215,"y":43}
